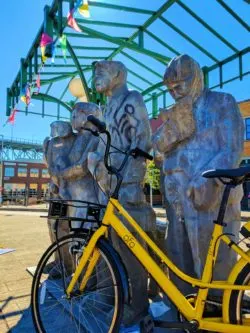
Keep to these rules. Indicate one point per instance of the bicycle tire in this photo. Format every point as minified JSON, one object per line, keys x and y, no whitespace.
{"x":90,"y":300}
{"x":238,"y":306}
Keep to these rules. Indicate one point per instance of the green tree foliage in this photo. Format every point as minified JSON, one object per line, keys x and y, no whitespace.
{"x":153,"y":176}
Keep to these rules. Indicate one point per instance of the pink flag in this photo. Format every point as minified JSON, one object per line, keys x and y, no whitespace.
{"x":72,"y":22}
{"x":45,"y":40}
{"x":11,"y":118}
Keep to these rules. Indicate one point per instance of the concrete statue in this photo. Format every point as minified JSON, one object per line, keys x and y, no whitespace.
{"x":56,"y":149}
{"x":66,"y":156}
{"x":127,"y":120}
{"x":203,"y":130}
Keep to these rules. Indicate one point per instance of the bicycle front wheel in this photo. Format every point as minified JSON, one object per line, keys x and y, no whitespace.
{"x":98,"y":308}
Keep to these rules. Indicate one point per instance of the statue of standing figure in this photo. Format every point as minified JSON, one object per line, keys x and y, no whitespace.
{"x":66,"y":154}
{"x":203,"y":130}
{"x":127,"y":121}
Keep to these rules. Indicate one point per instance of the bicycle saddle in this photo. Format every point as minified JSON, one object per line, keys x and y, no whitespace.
{"x":236,"y":175}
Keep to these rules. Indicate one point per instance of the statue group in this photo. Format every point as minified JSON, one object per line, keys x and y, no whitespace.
{"x":202,"y":130}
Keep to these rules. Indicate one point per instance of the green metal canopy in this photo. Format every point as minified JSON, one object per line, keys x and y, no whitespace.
{"x":140,"y":38}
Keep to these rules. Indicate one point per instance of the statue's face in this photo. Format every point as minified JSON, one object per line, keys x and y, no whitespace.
{"x":61,"y":129}
{"x":79,"y":119}
{"x":103,"y":79}
{"x":184,"y":77}
{"x":180,"y":89}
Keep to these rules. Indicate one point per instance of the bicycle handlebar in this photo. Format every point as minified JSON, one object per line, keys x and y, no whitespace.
{"x":99,"y":124}
{"x":138,"y":152}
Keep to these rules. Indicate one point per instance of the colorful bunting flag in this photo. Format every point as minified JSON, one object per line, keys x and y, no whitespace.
{"x":72,"y":22}
{"x":45,"y":40}
{"x":63,"y":42}
{"x":84,"y":9}
{"x":11,"y":118}
{"x":26,"y":97}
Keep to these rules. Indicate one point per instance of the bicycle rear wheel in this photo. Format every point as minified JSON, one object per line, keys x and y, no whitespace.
{"x":98,"y":308}
{"x":239,"y":302}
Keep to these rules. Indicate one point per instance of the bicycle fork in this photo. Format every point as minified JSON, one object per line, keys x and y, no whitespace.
{"x":90,"y":252}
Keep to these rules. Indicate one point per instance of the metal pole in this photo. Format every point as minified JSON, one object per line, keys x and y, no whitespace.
{"x":1,"y":173}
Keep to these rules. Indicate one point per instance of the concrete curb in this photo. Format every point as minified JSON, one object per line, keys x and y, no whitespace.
{"x":23,"y":209}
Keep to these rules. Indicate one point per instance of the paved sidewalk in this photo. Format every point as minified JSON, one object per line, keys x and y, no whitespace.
{"x":27,"y":233}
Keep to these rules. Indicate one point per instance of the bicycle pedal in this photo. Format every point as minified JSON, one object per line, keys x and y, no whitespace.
{"x":147,"y":324}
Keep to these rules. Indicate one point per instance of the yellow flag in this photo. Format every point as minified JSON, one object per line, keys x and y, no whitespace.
{"x":84,"y":9}
{"x":23,"y":99}
{"x":44,"y":58}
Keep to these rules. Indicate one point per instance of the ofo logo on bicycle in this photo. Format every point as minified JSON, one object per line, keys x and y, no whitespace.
{"x":129,"y":240}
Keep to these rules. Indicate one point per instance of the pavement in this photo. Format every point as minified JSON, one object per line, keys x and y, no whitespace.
{"x":27,"y":233}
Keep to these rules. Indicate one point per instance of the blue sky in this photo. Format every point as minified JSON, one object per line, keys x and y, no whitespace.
{"x":21,"y":20}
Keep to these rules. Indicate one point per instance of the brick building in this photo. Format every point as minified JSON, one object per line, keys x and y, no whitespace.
{"x":24,"y":181}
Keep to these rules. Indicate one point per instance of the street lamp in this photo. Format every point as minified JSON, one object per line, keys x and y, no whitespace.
{"x":1,"y":173}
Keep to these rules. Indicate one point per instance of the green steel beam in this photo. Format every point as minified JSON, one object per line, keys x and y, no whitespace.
{"x":207,"y":70}
{"x":78,"y":35}
{"x":123,"y":8}
{"x":59,"y":66}
{"x":8,"y":103}
{"x":79,"y":57}
{"x":48,"y":98}
{"x":123,"y":44}
{"x":202,"y":22}
{"x":154,"y":16}
{"x":140,"y":77}
{"x":140,"y":63}
{"x":190,"y":40}
{"x":94,"y":48}
{"x":152,"y":88}
{"x":171,"y":49}
{"x":66,"y":74}
{"x":230,"y":80}
{"x":230,"y":58}
{"x":108,"y":23}
{"x":42,"y":114}
{"x":141,"y":37}
{"x":80,"y":72}
{"x":134,"y":86}
{"x":90,"y":48}
{"x":158,"y":95}
{"x":48,"y":89}
{"x":231,"y":12}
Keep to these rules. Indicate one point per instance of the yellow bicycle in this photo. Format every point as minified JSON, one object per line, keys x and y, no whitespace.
{"x":86,"y":288}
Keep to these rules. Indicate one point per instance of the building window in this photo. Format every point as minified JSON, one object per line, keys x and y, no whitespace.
{"x":9,"y":172}
{"x":44,"y":190}
{"x":247,"y":126}
{"x":45,"y":173}
{"x":33,"y":190}
{"x":22,"y":172}
{"x":34,"y":172}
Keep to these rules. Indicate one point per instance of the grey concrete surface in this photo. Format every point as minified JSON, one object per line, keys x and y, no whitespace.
{"x":27,"y":233}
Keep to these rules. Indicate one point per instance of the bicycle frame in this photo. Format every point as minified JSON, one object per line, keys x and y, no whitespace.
{"x":189,"y":311}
